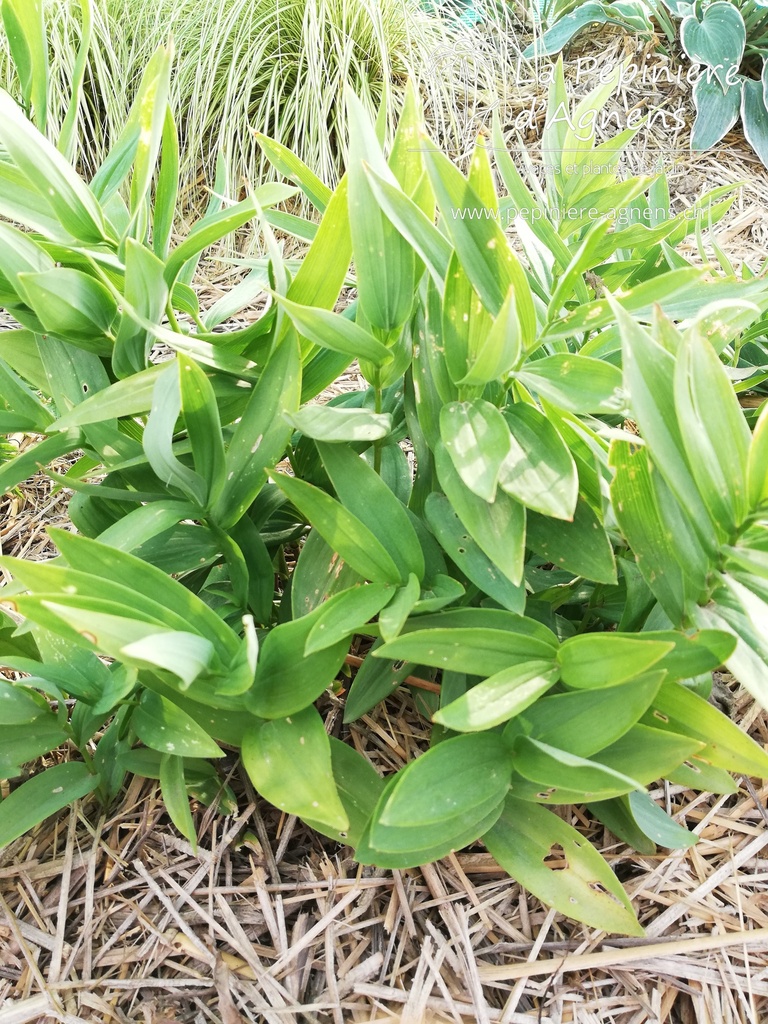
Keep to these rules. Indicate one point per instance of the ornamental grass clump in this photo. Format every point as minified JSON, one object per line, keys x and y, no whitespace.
{"x":568,"y":586}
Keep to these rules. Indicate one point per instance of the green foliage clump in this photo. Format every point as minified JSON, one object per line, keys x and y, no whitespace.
{"x":570,"y":583}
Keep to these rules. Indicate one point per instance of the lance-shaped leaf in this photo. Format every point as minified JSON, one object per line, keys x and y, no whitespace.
{"x":595,"y":660}
{"x":162,"y":725}
{"x":42,"y":796}
{"x":477,"y":651}
{"x":579,"y":883}
{"x":539,"y":470}
{"x":503,"y":695}
{"x":365,"y":494}
{"x":346,"y":613}
{"x":581,"y":546}
{"x":289,"y":762}
{"x":477,"y":440}
{"x":262,"y":433}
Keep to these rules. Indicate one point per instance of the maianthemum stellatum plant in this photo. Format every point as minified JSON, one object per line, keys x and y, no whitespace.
{"x":569,"y":583}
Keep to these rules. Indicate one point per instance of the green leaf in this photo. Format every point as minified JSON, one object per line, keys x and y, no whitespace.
{"x":503,"y":695}
{"x":319,"y":574}
{"x":577,"y":383}
{"x":363,"y":493}
{"x":72,"y":305}
{"x":658,"y":825}
{"x":186,"y":655}
{"x":477,"y":440}
{"x":335,"y":332}
{"x":289,"y":762}
{"x":376,"y":679}
{"x":649,"y":373}
{"x":18,"y":705}
{"x":581,"y":546}
{"x":498,"y":528}
{"x":457,"y":543}
{"x":107,"y":562}
{"x":448,"y":780}
{"x":24,"y":26}
{"x":262,"y":434}
{"x":413,"y":224}
{"x":578,"y":883}
{"x":346,"y":613}
{"x":550,"y":766}
{"x":359,"y":787}
{"x":695,"y":654}
{"x":290,"y":166}
{"x":173,"y":787}
{"x":678,"y":709}
{"x":586,"y":722}
{"x":757,"y":475}
{"x":27,"y":741}
{"x":342,"y":531}
{"x":62,"y":195}
{"x":146,"y":292}
{"x":393,"y":616}
{"x":384,"y":260}
{"x":481,"y":246}
{"x":287,"y":680}
{"x":649,"y":753}
{"x":163,"y":726}
{"x":201,"y":417}
{"x":539,"y":470}
{"x":596,"y":660}
{"x":477,"y":651}
{"x":42,"y":796}
{"x":717,"y":446}
{"x":159,"y":434}
{"x":327,"y":423}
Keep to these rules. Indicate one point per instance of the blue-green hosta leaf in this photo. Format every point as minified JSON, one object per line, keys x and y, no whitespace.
{"x":717,"y":39}
{"x":580,"y":884}
{"x":289,"y":762}
{"x":498,"y":698}
{"x":43,"y":795}
{"x":754,"y":116}
{"x":716,"y":111}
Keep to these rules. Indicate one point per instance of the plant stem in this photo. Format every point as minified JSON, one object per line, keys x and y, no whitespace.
{"x":377,"y":443}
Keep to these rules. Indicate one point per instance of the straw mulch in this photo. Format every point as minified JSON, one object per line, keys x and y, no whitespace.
{"x":107,"y":915}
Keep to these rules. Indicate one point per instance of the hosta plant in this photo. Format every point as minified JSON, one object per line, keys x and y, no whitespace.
{"x":567,"y":583}
{"x":727,"y":40}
